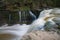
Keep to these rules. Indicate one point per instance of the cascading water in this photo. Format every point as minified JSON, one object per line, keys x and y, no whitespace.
{"x":19,"y":16}
{"x":56,"y":12}
{"x":17,"y":30}
{"x":45,"y":13}
{"x":14,"y":32}
{"x":9,"y":18}
{"x":40,"y":22}
{"x":34,"y":16}
{"x":24,"y":17}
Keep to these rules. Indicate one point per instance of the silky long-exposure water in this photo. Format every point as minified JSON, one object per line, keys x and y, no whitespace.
{"x":26,"y":17}
{"x":15,"y":32}
{"x":42,"y":19}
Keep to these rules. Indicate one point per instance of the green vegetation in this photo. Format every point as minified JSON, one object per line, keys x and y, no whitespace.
{"x":30,"y":4}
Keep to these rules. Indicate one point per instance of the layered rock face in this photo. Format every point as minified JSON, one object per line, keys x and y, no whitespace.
{"x":41,"y":35}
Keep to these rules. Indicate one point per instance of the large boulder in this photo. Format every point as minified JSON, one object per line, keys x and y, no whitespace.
{"x":41,"y":35}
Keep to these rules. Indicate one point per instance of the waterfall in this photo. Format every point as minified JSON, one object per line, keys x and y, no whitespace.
{"x":39,"y":23}
{"x":56,"y":12}
{"x":23,"y":16}
{"x":45,"y":13}
{"x":17,"y":30}
{"x":34,"y":16}
{"x":19,"y":16}
{"x":9,"y":19}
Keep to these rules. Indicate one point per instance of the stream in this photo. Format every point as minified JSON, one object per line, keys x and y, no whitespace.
{"x":17,"y":31}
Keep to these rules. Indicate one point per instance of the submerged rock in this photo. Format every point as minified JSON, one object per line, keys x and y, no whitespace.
{"x":41,"y":35}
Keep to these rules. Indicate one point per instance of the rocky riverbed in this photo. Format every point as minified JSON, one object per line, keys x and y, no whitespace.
{"x":41,"y":35}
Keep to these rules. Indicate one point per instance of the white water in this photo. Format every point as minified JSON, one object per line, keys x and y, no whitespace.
{"x":19,"y":30}
{"x":34,"y":16}
{"x":9,"y":17}
{"x":45,"y":13}
{"x":56,"y":12}
{"x":19,"y":16}
{"x":40,"y":22}
{"x":24,"y":14}
{"x":16,"y":30}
